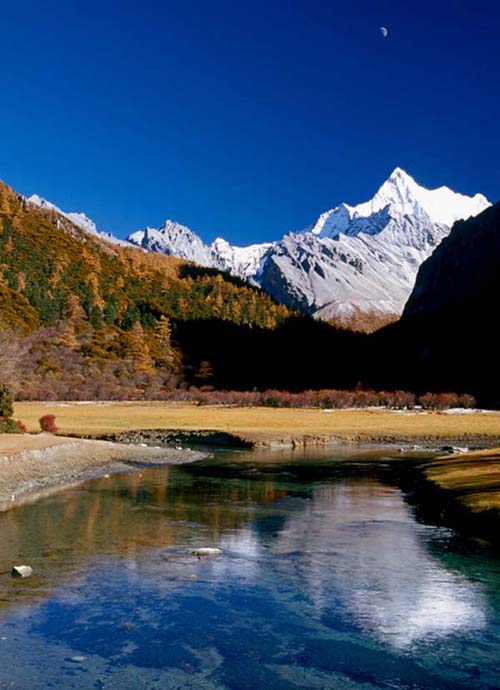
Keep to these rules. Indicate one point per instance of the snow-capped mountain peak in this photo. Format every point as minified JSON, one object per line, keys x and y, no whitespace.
{"x":442,"y":205}
{"x":41,"y":202}
{"x":361,"y":261}
{"x":174,"y":239}
{"x":399,"y":196}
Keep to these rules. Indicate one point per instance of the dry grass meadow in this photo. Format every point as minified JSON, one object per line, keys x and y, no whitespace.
{"x":264,"y":425}
{"x":473,"y":478}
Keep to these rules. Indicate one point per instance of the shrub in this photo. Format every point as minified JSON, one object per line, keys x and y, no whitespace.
{"x":48,"y":423}
{"x":428,"y":401}
{"x":6,"y":405}
{"x":333,"y":399}
{"x":400,"y":400}
{"x":21,"y":426}
{"x":11,"y":426}
{"x":467,"y":401}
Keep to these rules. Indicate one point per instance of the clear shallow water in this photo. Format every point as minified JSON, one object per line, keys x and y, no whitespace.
{"x":326,"y":581}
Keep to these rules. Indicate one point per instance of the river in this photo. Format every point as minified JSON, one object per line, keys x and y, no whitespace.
{"x":326,"y":580}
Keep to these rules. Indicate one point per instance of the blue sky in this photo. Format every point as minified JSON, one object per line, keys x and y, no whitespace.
{"x":244,"y":119}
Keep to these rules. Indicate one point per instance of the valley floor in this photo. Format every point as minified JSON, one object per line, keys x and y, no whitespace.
{"x":470,"y":480}
{"x":263,"y":426}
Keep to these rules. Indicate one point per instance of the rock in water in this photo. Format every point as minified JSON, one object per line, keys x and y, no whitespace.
{"x":207,"y":551}
{"x":22,"y":571}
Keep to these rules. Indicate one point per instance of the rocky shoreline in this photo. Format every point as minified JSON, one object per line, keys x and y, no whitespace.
{"x":38,"y":465}
{"x":227,"y":439}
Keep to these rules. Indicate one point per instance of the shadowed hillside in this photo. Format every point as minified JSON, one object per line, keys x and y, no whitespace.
{"x":446,"y":339}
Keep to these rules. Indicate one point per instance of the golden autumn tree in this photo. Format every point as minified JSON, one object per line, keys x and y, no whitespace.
{"x":138,"y":351}
{"x":163,"y":350}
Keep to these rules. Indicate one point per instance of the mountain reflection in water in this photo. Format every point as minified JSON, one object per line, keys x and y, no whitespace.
{"x":326,"y":580}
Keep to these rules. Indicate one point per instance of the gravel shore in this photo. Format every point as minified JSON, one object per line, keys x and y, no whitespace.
{"x":34,"y":465}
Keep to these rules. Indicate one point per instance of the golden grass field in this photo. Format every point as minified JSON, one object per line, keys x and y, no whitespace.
{"x":262,"y":424}
{"x":473,"y":478}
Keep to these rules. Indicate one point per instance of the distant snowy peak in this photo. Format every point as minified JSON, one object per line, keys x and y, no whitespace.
{"x":79,"y":219}
{"x":442,"y":205}
{"x":399,"y":196}
{"x":175,"y":239}
{"x":244,"y":262}
{"x":42,"y":203}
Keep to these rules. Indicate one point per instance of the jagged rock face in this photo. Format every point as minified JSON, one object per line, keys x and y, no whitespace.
{"x":354,"y":262}
{"x":333,"y":278}
{"x":173,"y":239}
{"x":244,"y":262}
{"x":363,"y":260}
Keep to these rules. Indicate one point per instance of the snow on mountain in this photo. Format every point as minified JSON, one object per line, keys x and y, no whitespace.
{"x":364,"y":259}
{"x":173,"y":239}
{"x":178,"y":240}
{"x":404,"y":197}
{"x":354,"y":263}
{"x":336,"y":279}
{"x":79,"y":219}
{"x":244,"y":262}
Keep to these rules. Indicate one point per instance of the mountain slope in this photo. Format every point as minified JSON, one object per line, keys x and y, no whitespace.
{"x":79,"y":219}
{"x":174,"y":239}
{"x":46,"y":257}
{"x":445,"y":338}
{"x":463,"y":270}
{"x":97,"y":314}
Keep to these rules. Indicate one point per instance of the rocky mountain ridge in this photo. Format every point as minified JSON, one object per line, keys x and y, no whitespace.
{"x":355,"y":265}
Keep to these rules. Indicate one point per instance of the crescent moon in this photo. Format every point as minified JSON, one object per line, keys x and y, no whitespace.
{"x":384,"y":31}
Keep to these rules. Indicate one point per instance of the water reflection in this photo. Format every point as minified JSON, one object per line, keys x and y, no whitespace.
{"x":324,"y":582}
{"x":360,"y":539}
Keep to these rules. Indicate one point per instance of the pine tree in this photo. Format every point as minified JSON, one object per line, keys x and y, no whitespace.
{"x":138,"y":351}
{"x":164,"y":353}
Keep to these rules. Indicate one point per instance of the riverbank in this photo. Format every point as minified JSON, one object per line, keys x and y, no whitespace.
{"x":469,"y":484}
{"x":471,"y":479}
{"x":267,"y":427}
{"x":461,"y":491}
{"x":34,"y":465}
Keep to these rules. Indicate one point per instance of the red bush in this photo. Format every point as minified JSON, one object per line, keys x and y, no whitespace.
{"x":48,"y":423}
{"x":21,"y":426}
{"x":467,"y":401}
{"x":326,"y":399}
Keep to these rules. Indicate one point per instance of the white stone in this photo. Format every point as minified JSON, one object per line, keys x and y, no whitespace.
{"x":22,"y":571}
{"x":207,"y":551}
